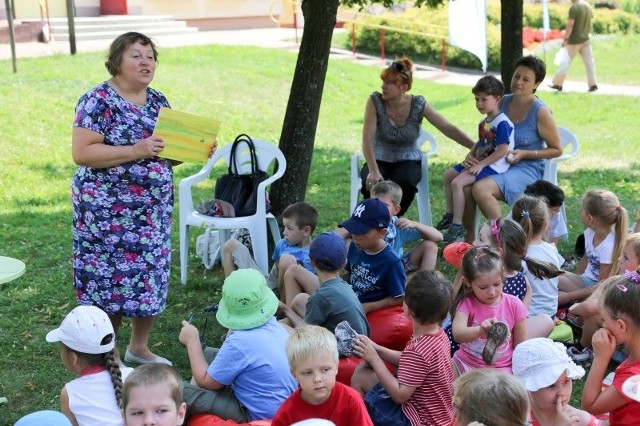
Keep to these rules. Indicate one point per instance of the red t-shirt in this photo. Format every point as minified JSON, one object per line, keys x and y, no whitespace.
{"x":345,"y":407}
{"x":628,"y":414}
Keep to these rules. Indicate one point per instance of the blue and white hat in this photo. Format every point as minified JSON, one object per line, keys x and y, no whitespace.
{"x":368,"y":214}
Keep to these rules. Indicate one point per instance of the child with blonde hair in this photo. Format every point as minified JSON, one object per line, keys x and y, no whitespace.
{"x":533,"y":215}
{"x":152,"y":395}
{"x":606,"y":222}
{"x":547,"y":373}
{"x":619,"y":307}
{"x":491,"y":398}
{"x":87,"y":341}
{"x":312,"y":352}
{"x":487,"y":323}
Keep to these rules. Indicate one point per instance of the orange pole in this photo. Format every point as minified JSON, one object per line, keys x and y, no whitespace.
{"x":295,"y":21}
{"x":444,"y":56}
{"x":353,"y":40}
{"x":382,"y":44}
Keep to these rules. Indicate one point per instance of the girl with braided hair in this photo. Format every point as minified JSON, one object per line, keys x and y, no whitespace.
{"x":87,"y":341}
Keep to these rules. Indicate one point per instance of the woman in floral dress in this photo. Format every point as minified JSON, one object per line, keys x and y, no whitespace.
{"x":122,"y":195}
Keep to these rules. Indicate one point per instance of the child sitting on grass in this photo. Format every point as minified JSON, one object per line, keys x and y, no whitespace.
{"x":247,"y":378}
{"x":489,"y":397}
{"x":152,"y":396}
{"x":299,"y":220}
{"x":313,"y":358}
{"x":547,"y":373}
{"x":334,"y":301}
{"x":421,"y":393}
{"x":87,"y":342}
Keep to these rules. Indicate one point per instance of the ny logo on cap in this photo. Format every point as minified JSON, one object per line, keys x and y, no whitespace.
{"x":359,"y":210}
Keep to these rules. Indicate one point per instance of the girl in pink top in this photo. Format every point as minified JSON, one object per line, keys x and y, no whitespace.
{"x":487,"y":323}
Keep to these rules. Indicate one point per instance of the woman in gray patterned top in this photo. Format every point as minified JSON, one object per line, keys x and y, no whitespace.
{"x":392,"y":122}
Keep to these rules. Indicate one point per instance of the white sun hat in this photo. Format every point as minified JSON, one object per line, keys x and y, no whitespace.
{"x":83,"y":330}
{"x":539,"y":362}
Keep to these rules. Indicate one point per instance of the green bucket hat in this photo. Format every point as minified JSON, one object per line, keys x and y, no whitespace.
{"x":246,"y":301}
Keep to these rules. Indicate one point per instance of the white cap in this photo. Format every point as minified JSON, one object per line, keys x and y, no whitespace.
{"x":314,"y":422}
{"x":83,"y":330}
{"x":539,"y":362}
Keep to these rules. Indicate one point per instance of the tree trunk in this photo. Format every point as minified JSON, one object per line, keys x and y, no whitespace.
{"x":301,"y":118}
{"x":511,"y":38}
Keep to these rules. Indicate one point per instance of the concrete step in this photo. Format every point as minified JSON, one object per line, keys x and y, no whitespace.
{"x":110,"y":35}
{"x":109,"y":27}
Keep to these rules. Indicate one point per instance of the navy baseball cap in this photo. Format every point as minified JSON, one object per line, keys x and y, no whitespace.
{"x":328,"y":251}
{"x":368,"y":214}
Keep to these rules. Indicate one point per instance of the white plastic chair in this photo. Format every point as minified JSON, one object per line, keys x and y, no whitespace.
{"x":422,"y":196}
{"x":256,"y":224}
{"x":570,"y":146}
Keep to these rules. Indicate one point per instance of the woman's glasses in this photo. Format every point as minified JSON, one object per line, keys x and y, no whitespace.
{"x":398,"y":67}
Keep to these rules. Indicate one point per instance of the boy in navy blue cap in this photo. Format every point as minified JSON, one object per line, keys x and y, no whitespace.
{"x":376,"y":273}
{"x":334,"y":301}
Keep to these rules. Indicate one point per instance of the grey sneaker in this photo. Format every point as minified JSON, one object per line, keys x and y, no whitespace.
{"x":455,"y":233}
{"x":444,"y":222}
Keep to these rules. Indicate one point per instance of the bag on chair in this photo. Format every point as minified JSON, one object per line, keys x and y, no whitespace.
{"x":241,"y":190}
{"x":208,"y":248}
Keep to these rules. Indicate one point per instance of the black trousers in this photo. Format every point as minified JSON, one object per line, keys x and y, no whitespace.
{"x":407,"y":174}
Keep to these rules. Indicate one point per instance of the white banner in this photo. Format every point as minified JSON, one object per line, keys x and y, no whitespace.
{"x":468,"y":27}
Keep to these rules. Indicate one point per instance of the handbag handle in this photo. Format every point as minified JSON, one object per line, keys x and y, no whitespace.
{"x":233,"y":167}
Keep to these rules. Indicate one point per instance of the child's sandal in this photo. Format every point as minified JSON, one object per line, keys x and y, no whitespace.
{"x":496,"y":336}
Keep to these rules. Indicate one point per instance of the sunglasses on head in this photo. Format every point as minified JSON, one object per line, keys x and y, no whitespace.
{"x":398,"y":67}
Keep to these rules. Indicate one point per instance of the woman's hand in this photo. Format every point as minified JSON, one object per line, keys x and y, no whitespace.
{"x":515,"y":156}
{"x":149,"y":147}
{"x":214,"y":148}
{"x":470,"y":160}
{"x":372,"y":179}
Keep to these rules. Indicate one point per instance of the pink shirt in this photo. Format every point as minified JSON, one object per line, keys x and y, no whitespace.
{"x":509,"y":310}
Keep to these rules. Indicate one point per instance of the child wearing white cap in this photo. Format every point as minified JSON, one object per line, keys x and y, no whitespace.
{"x":87,"y":341}
{"x":546,"y":371}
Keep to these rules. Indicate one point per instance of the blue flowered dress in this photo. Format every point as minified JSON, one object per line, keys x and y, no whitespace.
{"x":122,"y":214}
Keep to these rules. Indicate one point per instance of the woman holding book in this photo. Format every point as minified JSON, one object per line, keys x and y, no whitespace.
{"x":122,"y":195}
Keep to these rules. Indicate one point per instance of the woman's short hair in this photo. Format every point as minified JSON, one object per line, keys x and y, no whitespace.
{"x":121,"y":44}
{"x":535,"y":64}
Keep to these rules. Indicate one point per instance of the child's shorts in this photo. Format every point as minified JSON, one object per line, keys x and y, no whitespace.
{"x":406,"y":262}
{"x":382,"y":409}
{"x":487,"y":171}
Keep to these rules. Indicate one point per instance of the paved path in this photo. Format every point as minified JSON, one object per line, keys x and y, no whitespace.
{"x":284,"y":38}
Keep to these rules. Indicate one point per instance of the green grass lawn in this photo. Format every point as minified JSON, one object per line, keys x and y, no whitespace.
{"x":247,"y":89}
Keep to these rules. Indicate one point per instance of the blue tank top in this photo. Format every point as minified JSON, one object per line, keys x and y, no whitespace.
{"x":526,"y":132}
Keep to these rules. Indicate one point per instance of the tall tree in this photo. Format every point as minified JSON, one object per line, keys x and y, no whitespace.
{"x":303,"y":108}
{"x":510,"y":38}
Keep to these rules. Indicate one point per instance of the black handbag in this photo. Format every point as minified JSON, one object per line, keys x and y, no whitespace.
{"x":241,"y":190}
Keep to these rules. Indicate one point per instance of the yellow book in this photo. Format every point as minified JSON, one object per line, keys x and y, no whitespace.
{"x":187,"y":137}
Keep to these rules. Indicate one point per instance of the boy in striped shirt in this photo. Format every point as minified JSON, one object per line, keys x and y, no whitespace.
{"x":422,"y":392}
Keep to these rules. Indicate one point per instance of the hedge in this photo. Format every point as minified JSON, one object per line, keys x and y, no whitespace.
{"x":434,"y":22}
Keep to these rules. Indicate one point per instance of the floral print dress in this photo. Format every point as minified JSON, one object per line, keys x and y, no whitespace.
{"x":122,"y":214}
